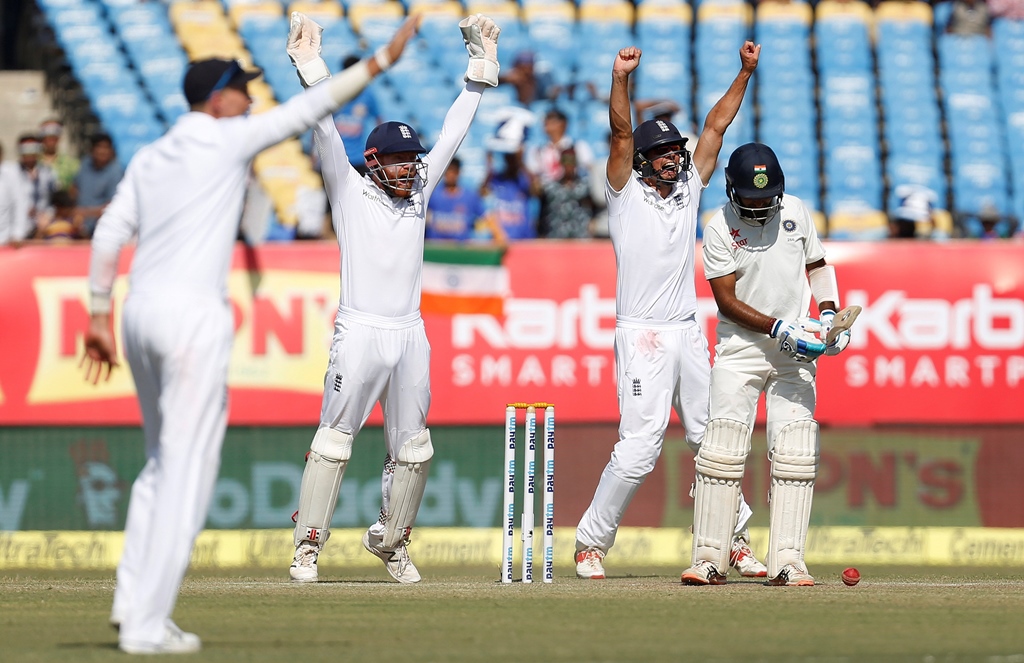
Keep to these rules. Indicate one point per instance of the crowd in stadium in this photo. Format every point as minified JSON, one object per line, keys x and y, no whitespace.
{"x":538,"y":170}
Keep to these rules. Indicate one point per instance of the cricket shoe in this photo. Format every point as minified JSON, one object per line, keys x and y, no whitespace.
{"x":742,"y":559}
{"x":702,"y":573}
{"x":792,"y":575}
{"x":175,"y":641}
{"x":396,"y":560}
{"x":303,"y":568}
{"x":588,"y":564}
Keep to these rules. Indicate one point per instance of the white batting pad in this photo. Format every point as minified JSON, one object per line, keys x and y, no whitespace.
{"x":720,"y":464}
{"x":321,"y":480}
{"x":794,"y":466}
{"x":411,"y":467}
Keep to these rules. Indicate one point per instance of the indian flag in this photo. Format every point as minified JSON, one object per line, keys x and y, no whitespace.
{"x":463,"y":279}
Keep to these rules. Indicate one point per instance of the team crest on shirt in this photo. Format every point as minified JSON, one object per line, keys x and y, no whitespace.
{"x":789,"y":225}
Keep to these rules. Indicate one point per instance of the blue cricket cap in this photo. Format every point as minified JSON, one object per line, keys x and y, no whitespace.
{"x":392,"y":137}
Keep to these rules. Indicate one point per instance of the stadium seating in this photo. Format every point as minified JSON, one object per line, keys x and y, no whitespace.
{"x":866,"y":121}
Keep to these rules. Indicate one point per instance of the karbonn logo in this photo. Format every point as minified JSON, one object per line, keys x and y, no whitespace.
{"x":588,"y":320}
{"x":898,"y":322}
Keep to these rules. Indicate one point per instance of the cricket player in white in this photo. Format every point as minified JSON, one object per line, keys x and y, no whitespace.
{"x":182,"y":196}
{"x":661,"y":355}
{"x":380,"y":350}
{"x":759,"y":251}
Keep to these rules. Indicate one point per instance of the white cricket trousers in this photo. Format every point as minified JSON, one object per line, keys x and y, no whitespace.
{"x":660,"y":367}
{"x":375,"y":359}
{"x":178,"y":346}
{"x":744,"y":369}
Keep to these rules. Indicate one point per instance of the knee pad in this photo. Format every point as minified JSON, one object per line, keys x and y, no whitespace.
{"x":412,"y":463}
{"x":794,"y":466}
{"x":720,"y":464}
{"x":321,"y":479}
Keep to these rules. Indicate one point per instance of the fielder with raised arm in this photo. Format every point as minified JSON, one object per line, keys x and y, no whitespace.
{"x":661,"y":355}
{"x":380,"y":350}
{"x":182,"y":196}
{"x":764,"y":261}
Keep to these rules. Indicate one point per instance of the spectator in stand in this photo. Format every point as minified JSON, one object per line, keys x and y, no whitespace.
{"x":96,"y":182}
{"x":969,"y":17}
{"x":37,"y":183}
{"x":62,"y":224}
{"x":64,"y":166}
{"x":987,"y":224}
{"x":13,"y":213}
{"x":508,"y":191}
{"x":545,"y":161}
{"x":566,"y":210}
{"x":916,"y":205}
{"x":454,"y":211}
{"x":530,"y":84}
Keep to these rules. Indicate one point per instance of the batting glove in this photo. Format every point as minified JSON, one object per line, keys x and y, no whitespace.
{"x":481,"y":37}
{"x":304,"y":49}
{"x":797,"y":339}
{"x":841,"y":340}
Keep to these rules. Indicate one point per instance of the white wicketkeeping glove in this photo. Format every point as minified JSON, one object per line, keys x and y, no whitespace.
{"x":797,"y":339}
{"x":481,"y":37}
{"x":840,"y":342}
{"x":304,"y":49}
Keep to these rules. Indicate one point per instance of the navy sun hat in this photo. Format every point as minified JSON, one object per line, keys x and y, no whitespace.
{"x":392,"y":137}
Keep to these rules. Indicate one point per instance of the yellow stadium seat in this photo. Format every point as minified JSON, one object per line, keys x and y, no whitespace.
{"x":710,"y":11}
{"x":438,"y":10}
{"x":495,"y":9}
{"x":200,"y":11}
{"x":242,"y":11}
{"x":559,"y":10}
{"x":607,"y":11}
{"x":656,"y":10}
{"x":867,"y":224}
{"x":357,"y":13}
{"x":820,"y":222}
{"x":785,"y":11}
{"x":856,"y":10}
{"x":943,"y":224}
{"x":321,"y":12}
{"x":891,"y":10}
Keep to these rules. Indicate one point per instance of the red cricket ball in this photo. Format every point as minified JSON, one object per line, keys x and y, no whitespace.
{"x":851,"y":577}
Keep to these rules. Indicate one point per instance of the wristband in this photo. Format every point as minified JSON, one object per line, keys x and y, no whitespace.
{"x":382,"y":58}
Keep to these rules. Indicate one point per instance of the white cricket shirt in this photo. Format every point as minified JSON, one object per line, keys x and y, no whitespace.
{"x":380,"y":237}
{"x":654,"y":240}
{"x":182,"y":195}
{"x":770,"y":262}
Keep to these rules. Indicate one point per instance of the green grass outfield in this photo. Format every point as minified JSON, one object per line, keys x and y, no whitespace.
{"x":926,"y":614}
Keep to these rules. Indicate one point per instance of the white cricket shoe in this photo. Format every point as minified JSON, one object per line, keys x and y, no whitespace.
{"x":588,"y":564}
{"x":175,"y":641}
{"x":396,"y":560}
{"x":742,"y":559}
{"x":303,"y":568}
{"x":702,"y":573}
{"x":792,"y":575}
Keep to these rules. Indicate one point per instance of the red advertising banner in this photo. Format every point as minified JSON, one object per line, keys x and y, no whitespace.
{"x":941,"y":338}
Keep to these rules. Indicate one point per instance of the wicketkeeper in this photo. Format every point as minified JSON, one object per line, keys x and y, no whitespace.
{"x":380,"y":350}
{"x":764,"y":262}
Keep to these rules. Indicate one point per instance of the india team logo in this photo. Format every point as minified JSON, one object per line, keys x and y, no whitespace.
{"x":760,"y":176}
{"x":789,"y":225}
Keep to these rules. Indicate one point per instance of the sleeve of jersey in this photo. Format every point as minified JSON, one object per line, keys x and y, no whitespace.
{"x":334,"y":163}
{"x":117,"y":225}
{"x":718,"y":260}
{"x":813,"y":249}
{"x":453,"y":132}
{"x":617,"y":199}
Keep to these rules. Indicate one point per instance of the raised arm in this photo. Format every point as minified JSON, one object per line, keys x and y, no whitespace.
{"x":480,"y":35}
{"x":705,"y":156}
{"x":304,"y":110}
{"x":620,"y":147}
